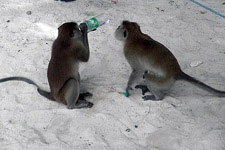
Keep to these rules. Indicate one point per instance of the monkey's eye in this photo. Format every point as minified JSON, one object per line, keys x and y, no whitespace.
{"x":125,"y":33}
{"x":71,"y":34}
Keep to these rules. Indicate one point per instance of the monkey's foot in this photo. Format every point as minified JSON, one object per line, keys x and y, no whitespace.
{"x":83,"y":104}
{"x":150,"y":97}
{"x":144,"y":88}
{"x":84,"y":95}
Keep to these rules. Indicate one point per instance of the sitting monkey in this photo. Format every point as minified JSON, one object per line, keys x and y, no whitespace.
{"x":69,"y":49}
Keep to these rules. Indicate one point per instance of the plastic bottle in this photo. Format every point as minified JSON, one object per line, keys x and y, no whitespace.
{"x":96,"y":22}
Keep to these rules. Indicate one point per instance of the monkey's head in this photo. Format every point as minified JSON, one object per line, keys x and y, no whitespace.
{"x":69,"y":30}
{"x":127,"y":29}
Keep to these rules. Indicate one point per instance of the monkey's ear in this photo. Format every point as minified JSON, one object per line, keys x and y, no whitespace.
{"x":125,"y":34}
{"x":71,"y":34}
{"x":125,"y":22}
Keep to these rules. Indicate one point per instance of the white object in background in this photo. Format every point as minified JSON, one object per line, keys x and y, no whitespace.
{"x":196,"y":63}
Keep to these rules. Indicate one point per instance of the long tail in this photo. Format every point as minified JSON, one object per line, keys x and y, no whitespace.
{"x":202,"y":85}
{"x":40,"y":91}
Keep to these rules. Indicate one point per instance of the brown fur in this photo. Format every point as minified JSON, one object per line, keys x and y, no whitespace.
{"x":147,"y":55}
{"x":146,"y":48}
{"x":65,"y":58}
{"x":141,"y":45}
{"x":70,"y":48}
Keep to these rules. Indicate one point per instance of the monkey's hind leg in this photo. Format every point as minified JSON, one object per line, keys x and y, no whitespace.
{"x":157,"y":86}
{"x":71,"y":92}
{"x":157,"y":95}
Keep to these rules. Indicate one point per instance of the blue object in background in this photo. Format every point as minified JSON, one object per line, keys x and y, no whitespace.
{"x":207,"y":8}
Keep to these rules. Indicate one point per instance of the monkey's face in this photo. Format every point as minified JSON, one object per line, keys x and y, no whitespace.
{"x":121,"y":33}
{"x":127,"y":29}
{"x":70,"y":30}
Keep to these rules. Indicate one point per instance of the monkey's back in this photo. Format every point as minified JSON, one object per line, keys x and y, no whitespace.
{"x":61,"y":67}
{"x":155,"y":55}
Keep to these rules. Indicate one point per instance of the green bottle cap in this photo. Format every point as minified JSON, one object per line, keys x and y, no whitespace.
{"x":125,"y":94}
{"x":92,"y":24}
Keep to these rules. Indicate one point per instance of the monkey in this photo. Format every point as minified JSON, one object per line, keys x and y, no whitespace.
{"x":154,"y":62}
{"x":69,"y":49}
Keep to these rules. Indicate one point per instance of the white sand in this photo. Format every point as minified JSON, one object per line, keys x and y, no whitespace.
{"x":187,"y":119}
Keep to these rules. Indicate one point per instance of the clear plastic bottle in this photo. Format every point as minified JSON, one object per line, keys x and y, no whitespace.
{"x":96,"y":22}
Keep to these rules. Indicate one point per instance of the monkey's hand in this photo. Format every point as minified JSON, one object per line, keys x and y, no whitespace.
{"x":144,"y":88}
{"x":83,"y":27}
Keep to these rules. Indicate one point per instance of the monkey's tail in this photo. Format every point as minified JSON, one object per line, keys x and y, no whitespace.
{"x":201,"y":85}
{"x":29,"y":81}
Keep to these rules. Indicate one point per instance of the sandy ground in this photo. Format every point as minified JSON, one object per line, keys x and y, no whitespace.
{"x":187,"y":119}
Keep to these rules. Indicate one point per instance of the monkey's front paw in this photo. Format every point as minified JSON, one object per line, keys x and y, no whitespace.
{"x":83,"y":27}
{"x":144,"y":88}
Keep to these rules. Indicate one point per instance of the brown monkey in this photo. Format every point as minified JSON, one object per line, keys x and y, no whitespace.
{"x":153,"y":60}
{"x":69,"y":49}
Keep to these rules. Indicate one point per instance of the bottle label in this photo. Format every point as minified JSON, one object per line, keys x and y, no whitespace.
{"x":92,"y":24}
